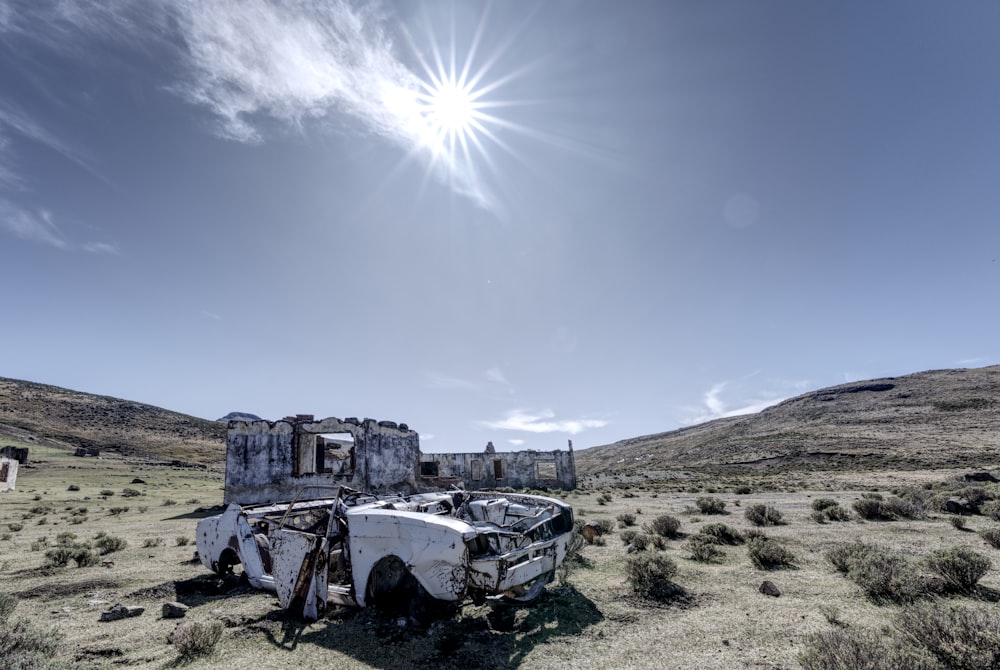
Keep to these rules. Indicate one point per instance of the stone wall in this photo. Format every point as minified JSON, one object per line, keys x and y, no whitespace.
{"x":8,"y":474}
{"x":489,"y":469}
{"x":270,"y":461}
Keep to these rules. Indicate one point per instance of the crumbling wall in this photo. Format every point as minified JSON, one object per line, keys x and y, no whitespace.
{"x":489,"y":469}
{"x":19,"y":454}
{"x":8,"y":474}
{"x":270,"y":461}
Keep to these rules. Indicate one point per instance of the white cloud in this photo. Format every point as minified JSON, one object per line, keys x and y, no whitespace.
{"x":100,"y":248}
{"x":542,"y":422}
{"x":516,"y":442}
{"x":30,"y":227}
{"x":29,"y":128}
{"x":713,"y":406}
{"x":210,"y":315}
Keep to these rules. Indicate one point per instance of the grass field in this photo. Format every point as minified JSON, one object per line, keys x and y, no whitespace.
{"x":592,"y":619}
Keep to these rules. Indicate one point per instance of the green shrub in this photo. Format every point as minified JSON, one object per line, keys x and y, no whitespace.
{"x":152,"y":542}
{"x":720,"y":533}
{"x":168,"y":502}
{"x":762,"y":515}
{"x":837,"y":513}
{"x":743,"y":490}
{"x":195,"y":639}
{"x":131,"y":493}
{"x":626,"y":519}
{"x":605,"y":526}
{"x":960,"y":567}
{"x":992,"y":536}
{"x":843,"y":556}
{"x":665,"y":525}
{"x":898,"y":508}
{"x":640,"y":542}
{"x":627,"y":536}
{"x":651,"y":576}
{"x":768,"y":554}
{"x":66,"y":538}
{"x":710,"y":505}
{"x":870,"y":509}
{"x":183,"y":540}
{"x":117,"y":511}
{"x":703,"y":548}
{"x":957,"y":522}
{"x":957,"y":636}
{"x":85,"y":557}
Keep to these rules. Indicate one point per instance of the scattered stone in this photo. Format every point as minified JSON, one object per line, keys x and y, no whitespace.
{"x":107,"y":564}
{"x":174,"y":610}
{"x":769,"y":589}
{"x":120,"y":611}
{"x":138,"y":480}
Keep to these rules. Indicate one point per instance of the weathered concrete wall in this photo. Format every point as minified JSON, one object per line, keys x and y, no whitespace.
{"x":8,"y":474}
{"x":516,"y":469}
{"x":19,"y":454}
{"x":271,"y":461}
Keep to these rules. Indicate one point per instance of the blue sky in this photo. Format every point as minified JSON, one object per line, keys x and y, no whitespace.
{"x":642,"y":215}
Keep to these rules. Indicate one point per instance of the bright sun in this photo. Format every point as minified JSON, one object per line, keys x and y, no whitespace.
{"x":451,"y":110}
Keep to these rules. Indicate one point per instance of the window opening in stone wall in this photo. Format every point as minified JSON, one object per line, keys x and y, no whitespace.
{"x":428,"y":468}
{"x":3,"y":472}
{"x":335,"y":453}
{"x":545,"y":469}
{"x":497,"y":469}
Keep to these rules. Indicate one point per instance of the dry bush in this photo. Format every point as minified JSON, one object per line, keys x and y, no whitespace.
{"x":857,"y":649}
{"x":8,"y":603}
{"x":703,"y":548}
{"x":194,"y":638}
{"x":710,"y":505}
{"x":767,"y":554}
{"x":992,"y":536}
{"x":991,"y":509}
{"x":15,"y":527}
{"x":626,"y":519}
{"x":651,"y":576}
{"x":843,"y":556}
{"x":762,"y":515}
{"x":720,"y":533}
{"x":960,"y":567}
{"x":108,"y":544}
{"x":957,"y":636}
{"x":23,"y":646}
{"x":131,"y":493}
{"x":884,"y":576}
{"x":664,"y":525}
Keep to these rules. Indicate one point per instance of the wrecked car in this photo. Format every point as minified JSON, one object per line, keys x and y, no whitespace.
{"x":396,"y":552}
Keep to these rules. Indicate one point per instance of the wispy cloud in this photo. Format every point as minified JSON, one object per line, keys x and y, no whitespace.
{"x":543,"y":421}
{"x":733,"y":398}
{"x":516,"y":442}
{"x":210,"y":315}
{"x":436,"y":380}
{"x":14,"y":119}
{"x":251,"y":62}
{"x":100,"y":248}
{"x":32,"y":227}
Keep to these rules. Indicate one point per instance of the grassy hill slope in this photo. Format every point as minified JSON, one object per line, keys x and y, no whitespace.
{"x":60,"y":416}
{"x":938,"y":418}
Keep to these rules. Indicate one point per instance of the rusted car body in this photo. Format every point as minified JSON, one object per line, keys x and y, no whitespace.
{"x":355,"y":549}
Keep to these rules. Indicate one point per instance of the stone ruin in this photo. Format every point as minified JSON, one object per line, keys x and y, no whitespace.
{"x":269,"y":461}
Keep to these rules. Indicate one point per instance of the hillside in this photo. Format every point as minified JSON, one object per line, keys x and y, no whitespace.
{"x":937,"y":418}
{"x":74,"y":419}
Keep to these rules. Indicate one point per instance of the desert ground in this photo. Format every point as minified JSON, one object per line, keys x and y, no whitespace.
{"x":591,"y":617}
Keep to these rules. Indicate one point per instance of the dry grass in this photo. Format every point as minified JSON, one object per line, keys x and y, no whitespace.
{"x":592,"y":621}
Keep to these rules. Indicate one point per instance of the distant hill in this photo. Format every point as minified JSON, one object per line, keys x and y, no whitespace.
{"x":75,"y":419}
{"x":937,"y":418}
{"x":239,"y":416}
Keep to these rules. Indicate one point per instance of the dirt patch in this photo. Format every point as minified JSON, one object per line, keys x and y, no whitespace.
{"x":65,"y":590}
